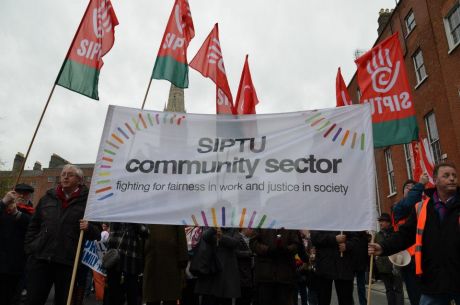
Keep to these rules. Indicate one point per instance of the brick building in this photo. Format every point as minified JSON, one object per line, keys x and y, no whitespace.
{"x":429,"y":33}
{"x":40,"y":178}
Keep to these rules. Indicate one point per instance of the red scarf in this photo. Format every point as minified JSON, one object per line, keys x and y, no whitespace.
{"x":25,"y":208}
{"x":61,"y":196}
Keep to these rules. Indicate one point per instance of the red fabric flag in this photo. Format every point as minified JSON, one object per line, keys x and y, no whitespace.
{"x":246,"y":99}
{"x":210,"y":63}
{"x":171,"y":63}
{"x":94,"y":38}
{"x":422,"y":161}
{"x":383,"y":82}
{"x":341,"y":91}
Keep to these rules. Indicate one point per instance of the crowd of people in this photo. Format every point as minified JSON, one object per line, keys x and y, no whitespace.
{"x":166,"y":264}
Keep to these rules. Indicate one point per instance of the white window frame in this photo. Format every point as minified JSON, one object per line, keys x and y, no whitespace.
{"x":390,"y":172}
{"x":433,"y":137}
{"x":417,"y":68}
{"x":358,"y":94}
{"x":410,"y":26}
{"x":409,"y":157}
{"x":450,"y":39}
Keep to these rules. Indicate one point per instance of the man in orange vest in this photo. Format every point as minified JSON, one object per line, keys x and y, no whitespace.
{"x":412,"y":193}
{"x":434,"y":225}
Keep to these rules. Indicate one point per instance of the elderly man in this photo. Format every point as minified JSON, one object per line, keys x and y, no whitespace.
{"x":434,"y":225}
{"x":15,"y":210}
{"x":52,"y":237}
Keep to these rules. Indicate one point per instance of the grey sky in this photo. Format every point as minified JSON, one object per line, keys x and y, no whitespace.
{"x":294,"y":47}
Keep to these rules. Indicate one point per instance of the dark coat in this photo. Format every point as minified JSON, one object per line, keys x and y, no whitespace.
{"x":12,"y":232}
{"x":383,"y":263}
{"x":165,"y":261}
{"x":360,"y":256}
{"x":329,"y":263}
{"x":441,"y":247}
{"x":245,"y":263}
{"x":275,"y":260}
{"x":54,"y":231}
{"x":226,"y":283}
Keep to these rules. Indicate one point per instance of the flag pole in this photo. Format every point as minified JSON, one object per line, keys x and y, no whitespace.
{"x":146,"y":93}
{"x":21,"y":169}
{"x":371,"y":267}
{"x":74,"y":271}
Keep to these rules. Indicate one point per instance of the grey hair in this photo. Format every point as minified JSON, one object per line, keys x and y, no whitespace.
{"x":77,"y":170}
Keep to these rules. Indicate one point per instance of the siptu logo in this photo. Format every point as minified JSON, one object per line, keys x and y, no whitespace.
{"x":215,"y":55}
{"x":102,"y":22}
{"x":382,"y":71}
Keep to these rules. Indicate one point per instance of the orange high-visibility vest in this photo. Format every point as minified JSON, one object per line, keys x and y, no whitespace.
{"x":396,"y":225}
{"x":421,"y":220}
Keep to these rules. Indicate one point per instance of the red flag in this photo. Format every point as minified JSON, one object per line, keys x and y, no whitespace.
{"x":94,"y":38}
{"x":422,"y":161}
{"x":171,"y":63}
{"x":246,"y":99}
{"x":383,"y":82}
{"x":341,"y":91}
{"x":210,"y":63}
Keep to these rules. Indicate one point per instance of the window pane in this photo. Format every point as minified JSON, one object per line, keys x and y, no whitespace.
{"x":454,"y":24}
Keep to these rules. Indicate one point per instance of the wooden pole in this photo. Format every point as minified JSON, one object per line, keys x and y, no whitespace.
{"x":21,"y":169}
{"x":146,"y":93}
{"x":75,"y":266}
{"x":371,"y":267}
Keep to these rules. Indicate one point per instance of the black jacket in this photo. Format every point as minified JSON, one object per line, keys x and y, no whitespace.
{"x":54,"y":231}
{"x":275,"y":255}
{"x":329,"y":263}
{"x":440,"y":247}
{"x":12,"y":232}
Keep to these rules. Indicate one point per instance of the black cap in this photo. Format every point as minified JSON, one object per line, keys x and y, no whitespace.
{"x":385,"y":217}
{"x":22,"y":187}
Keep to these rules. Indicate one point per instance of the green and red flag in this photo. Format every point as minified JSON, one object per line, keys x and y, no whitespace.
{"x":246,"y":99}
{"x":341,"y":91}
{"x":210,"y":63}
{"x":171,"y":63}
{"x":94,"y":38}
{"x":383,"y":82}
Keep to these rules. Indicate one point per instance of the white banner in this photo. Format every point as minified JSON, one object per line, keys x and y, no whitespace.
{"x":301,"y":170}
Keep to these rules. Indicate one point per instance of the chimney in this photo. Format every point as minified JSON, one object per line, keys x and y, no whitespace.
{"x":57,"y":161}
{"x":37,"y":166}
{"x":18,"y":159}
{"x":384,"y":17}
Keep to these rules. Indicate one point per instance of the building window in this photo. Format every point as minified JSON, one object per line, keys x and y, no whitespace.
{"x":51,"y":179}
{"x":408,"y":155}
{"x":419,"y":66}
{"x":358,"y":94}
{"x":410,"y":22}
{"x":390,"y":171}
{"x":452,"y":26}
{"x":433,"y":137}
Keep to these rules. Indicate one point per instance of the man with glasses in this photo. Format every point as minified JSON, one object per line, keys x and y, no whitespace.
{"x":52,"y":237}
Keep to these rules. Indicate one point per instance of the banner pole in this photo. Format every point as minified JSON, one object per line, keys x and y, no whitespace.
{"x":371,"y":267}
{"x":146,"y":93}
{"x":21,"y":169}
{"x":75,"y":266}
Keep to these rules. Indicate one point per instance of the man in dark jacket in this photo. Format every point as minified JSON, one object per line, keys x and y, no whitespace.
{"x":52,"y":237}
{"x":275,"y":271}
{"x":334,"y":263}
{"x":15,"y":209}
{"x":440,"y":249}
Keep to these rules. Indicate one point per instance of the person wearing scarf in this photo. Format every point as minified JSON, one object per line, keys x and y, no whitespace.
{"x":52,"y":237}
